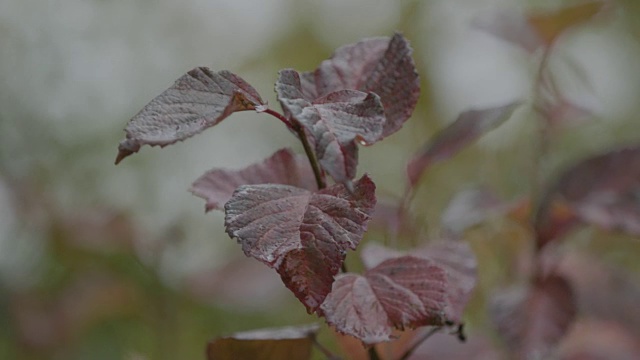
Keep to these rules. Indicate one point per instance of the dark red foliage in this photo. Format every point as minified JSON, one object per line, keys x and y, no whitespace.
{"x":401,"y":292}
{"x":304,"y":235}
{"x":381,"y":65}
{"x":469,"y":126}
{"x":284,"y":167}
{"x":383,"y":91}
{"x":602,"y":190}
{"x":429,"y":287}
{"x":533,"y":320}
{"x":334,"y":121}
{"x":199,"y":99}
{"x":456,"y":257}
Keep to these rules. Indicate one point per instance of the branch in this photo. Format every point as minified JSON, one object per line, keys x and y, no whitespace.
{"x":297,"y":128}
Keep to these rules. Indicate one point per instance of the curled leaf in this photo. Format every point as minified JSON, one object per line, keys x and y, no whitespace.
{"x":467,"y":128}
{"x":304,"y":235}
{"x":284,"y":167}
{"x":198,"y":100}
{"x":381,"y":65}
{"x":334,"y":121}
{"x":376,"y":77}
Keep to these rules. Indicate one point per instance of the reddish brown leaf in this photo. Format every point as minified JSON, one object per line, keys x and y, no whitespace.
{"x":456,"y":257}
{"x":401,"y":292}
{"x":602,"y":190}
{"x":469,"y":126}
{"x":198,"y":100}
{"x":302,"y":234}
{"x":406,"y":291}
{"x":353,"y":308}
{"x":268,"y":344}
{"x":533,"y":320}
{"x":284,"y":167}
{"x":350,"y":66}
{"x":334,"y":121}
{"x":380,"y":65}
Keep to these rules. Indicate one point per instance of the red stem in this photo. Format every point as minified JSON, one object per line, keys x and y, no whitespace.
{"x":297,"y":128}
{"x":280,"y":117}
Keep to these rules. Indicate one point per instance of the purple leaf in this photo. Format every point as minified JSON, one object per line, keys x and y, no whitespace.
{"x":350,"y":66}
{"x":284,"y":167}
{"x":602,"y":190}
{"x":380,"y":65}
{"x":266,"y":344}
{"x":304,"y":235}
{"x":429,"y":287}
{"x":334,"y":121}
{"x":533,"y":320}
{"x":402,"y":292}
{"x":456,"y":257}
{"x":198,"y":100}
{"x":469,"y":126}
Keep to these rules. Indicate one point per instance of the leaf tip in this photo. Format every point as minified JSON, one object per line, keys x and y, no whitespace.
{"x":125,"y":149}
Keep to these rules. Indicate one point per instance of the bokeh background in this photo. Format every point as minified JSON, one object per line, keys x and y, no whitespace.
{"x":106,"y":262}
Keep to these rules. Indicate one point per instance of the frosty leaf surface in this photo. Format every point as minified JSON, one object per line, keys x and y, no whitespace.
{"x":304,"y":235}
{"x":198,"y":100}
{"x":283,"y":167}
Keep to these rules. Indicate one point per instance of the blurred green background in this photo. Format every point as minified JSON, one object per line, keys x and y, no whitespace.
{"x":106,"y":262}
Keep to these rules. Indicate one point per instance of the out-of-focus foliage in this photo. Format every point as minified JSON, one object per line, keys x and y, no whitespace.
{"x":101,"y":262}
